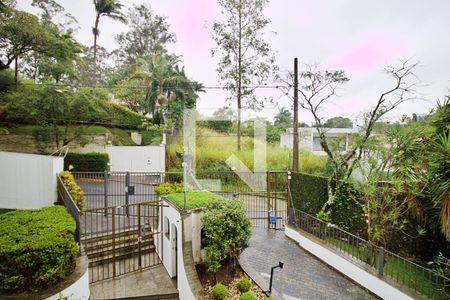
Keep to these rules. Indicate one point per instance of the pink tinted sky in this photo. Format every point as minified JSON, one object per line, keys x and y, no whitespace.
{"x":360,"y":37}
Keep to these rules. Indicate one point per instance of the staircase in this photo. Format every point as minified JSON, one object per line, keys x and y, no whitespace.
{"x":107,"y":248}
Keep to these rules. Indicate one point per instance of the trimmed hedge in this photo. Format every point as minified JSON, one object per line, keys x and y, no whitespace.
{"x":309,"y":192}
{"x":87,"y":162}
{"x":37,"y":249}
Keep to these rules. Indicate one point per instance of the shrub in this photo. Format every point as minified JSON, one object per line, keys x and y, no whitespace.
{"x":37,"y":249}
{"x":73,"y":188}
{"x":87,"y":162}
{"x":194,"y":199}
{"x":248,"y":296}
{"x":244,"y":285}
{"x":227,"y":231}
{"x":309,"y":192}
{"x":167,"y":188}
{"x":219,"y":291}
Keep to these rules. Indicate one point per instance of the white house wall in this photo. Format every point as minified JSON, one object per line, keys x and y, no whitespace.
{"x":137,"y":158}
{"x":28,"y":181}
{"x":164,"y":251}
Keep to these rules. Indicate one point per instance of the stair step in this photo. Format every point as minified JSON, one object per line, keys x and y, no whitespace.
{"x":105,"y":251}
{"x":101,"y":236}
{"x":109,"y":259}
{"x":94,"y":246}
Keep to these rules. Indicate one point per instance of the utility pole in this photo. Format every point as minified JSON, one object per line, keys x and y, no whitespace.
{"x":295,"y":141}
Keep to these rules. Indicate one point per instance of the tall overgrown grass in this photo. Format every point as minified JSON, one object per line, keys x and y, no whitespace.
{"x":213,"y":149}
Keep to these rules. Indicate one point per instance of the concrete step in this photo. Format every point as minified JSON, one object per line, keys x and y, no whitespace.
{"x":109,"y":258}
{"x":102,"y":236}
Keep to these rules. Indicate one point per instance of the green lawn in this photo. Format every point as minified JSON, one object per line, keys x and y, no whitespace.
{"x":193,"y":199}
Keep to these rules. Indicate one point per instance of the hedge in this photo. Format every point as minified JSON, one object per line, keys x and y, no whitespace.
{"x":37,"y":249}
{"x":87,"y":162}
{"x":74,"y":189}
{"x":309,"y":192}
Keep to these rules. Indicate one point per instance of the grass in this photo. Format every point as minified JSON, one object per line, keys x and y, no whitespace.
{"x":193,"y":199}
{"x":410,"y":275}
{"x":148,"y":138}
{"x":213,"y":149}
{"x":121,"y":136}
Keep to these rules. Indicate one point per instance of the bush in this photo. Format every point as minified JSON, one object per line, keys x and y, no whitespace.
{"x":73,"y":188}
{"x":194,"y":199}
{"x":219,"y":291}
{"x":244,"y":285}
{"x":248,"y":296}
{"x":309,"y":192}
{"x":87,"y":162}
{"x":37,"y":249}
{"x":167,"y":188}
{"x":227,"y":231}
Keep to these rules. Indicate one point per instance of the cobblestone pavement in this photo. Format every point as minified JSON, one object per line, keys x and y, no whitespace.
{"x":303,"y":276}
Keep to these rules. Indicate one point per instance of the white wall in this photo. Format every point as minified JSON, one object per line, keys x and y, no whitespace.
{"x":365,"y":279}
{"x":165,"y":250}
{"x":28,"y":181}
{"x":137,"y":158}
{"x":79,"y":290}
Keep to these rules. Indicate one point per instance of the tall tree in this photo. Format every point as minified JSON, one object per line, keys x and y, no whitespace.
{"x":108,"y":8}
{"x":148,"y":34}
{"x":246,"y":59}
{"x":20,"y":33}
{"x":283,"y":118}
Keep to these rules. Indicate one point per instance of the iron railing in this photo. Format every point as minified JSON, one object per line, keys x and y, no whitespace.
{"x":66,"y":199}
{"x":384,"y":263}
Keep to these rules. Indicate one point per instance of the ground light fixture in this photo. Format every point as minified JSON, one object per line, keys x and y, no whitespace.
{"x":280,"y":265}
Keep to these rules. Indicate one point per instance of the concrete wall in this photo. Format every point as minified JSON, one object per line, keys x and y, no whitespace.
{"x":79,"y":290}
{"x":364,"y":278}
{"x":137,"y":158}
{"x":187,"y":227}
{"x":28,"y":181}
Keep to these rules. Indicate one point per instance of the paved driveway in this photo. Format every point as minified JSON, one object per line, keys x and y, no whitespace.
{"x":303,"y":276}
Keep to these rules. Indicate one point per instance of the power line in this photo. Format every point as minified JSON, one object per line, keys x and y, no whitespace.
{"x":174,"y":87}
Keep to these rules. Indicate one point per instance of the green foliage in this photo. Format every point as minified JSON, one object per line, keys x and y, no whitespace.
{"x":219,"y":291}
{"x":73,"y":188}
{"x":87,"y":162}
{"x":441,"y":265}
{"x":347,"y":210}
{"x":37,"y":249}
{"x":194,"y":199}
{"x":222,"y":120}
{"x":227,"y":231}
{"x":6,"y":82}
{"x":309,"y":192}
{"x":121,"y":137}
{"x":119,"y":116}
{"x":43,"y":135}
{"x":167,"y":188}
{"x":244,"y":285}
{"x":247,"y":296}
{"x":338,"y":122}
{"x":323,"y":216}
{"x":152,"y":134}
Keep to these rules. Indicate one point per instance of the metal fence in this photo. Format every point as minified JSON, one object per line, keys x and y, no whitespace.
{"x":65,"y":198}
{"x":385,"y":263}
{"x":117,"y":243}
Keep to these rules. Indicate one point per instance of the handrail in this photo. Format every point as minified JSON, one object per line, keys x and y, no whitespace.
{"x":385,"y":263}
{"x":66,"y":199}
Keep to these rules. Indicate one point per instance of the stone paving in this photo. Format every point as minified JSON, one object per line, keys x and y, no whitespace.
{"x":302,"y":277}
{"x":152,"y":283}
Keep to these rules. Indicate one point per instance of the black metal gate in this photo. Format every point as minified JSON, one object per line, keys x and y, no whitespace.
{"x":120,"y":239}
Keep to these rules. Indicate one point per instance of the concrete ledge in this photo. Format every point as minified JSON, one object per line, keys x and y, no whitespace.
{"x":360,"y":276}
{"x":74,"y":287}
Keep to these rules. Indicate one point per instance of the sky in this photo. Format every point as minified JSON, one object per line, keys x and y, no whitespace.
{"x":359,"y":37}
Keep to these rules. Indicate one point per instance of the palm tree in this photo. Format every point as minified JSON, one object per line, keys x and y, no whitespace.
{"x":111,"y":9}
{"x":168,"y":85}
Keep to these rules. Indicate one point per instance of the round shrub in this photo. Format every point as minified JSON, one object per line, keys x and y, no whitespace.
{"x":248,"y":296}
{"x":244,"y":285}
{"x":219,"y":291}
{"x":37,"y":249}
